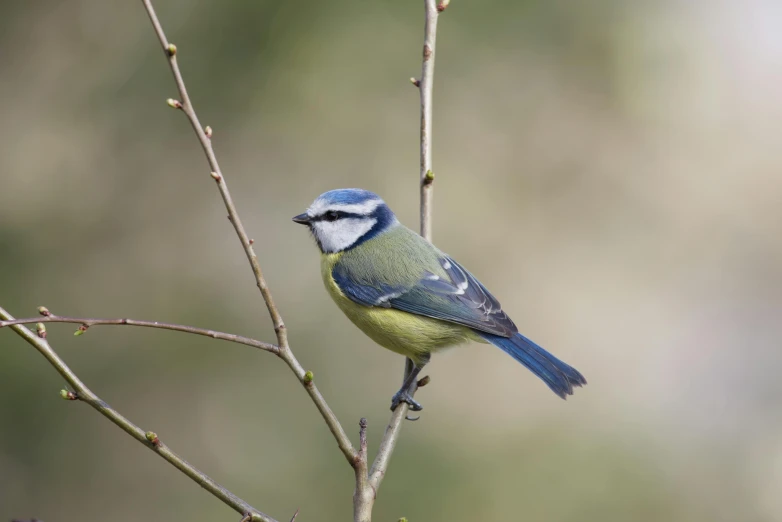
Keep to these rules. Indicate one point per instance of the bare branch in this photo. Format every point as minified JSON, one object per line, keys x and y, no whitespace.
{"x":387,"y":445}
{"x":187,"y":107}
{"x":89,"y":321}
{"x":424,"y":84}
{"x":149,"y":439}
{"x":367,"y":481}
{"x":364,"y":496}
{"x":306,"y":378}
{"x":285,"y":353}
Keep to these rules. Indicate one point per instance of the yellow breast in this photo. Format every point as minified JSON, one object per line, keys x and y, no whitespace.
{"x":411,"y":335}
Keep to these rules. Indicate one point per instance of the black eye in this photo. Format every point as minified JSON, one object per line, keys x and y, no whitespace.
{"x":331,"y":215}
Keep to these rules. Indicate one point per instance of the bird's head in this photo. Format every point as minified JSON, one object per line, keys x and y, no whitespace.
{"x":344,"y":218}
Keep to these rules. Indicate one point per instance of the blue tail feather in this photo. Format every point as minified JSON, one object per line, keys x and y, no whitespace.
{"x":560,"y":377}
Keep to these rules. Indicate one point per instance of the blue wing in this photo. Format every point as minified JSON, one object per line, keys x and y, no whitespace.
{"x":454,"y":296}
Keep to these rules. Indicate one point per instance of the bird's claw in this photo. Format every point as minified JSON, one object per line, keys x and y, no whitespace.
{"x":404,"y":396}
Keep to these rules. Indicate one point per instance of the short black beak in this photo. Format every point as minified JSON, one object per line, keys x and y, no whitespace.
{"x":302,"y":219}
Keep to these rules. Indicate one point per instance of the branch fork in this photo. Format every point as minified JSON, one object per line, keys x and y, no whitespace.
{"x":368,"y":479}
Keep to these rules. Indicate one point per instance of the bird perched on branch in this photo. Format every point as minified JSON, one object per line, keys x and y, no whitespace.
{"x":410,"y":297}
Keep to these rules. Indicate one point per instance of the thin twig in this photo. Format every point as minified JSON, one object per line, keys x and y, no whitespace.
{"x":285,"y":353}
{"x":363,"y":497}
{"x":206,"y":144}
{"x":367,"y":482}
{"x":90,"y":321}
{"x":424,"y":84}
{"x":149,"y":439}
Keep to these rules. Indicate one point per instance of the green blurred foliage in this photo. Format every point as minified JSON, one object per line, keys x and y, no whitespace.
{"x":609,"y":169}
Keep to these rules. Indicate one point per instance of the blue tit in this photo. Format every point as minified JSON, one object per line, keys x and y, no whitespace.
{"x":410,"y":297}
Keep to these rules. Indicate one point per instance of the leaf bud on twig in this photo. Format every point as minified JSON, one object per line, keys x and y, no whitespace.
{"x":68,"y":395}
{"x":81,"y":330}
{"x":152,"y":438}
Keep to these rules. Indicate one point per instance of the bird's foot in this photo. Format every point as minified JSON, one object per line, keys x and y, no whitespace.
{"x":403,"y":395}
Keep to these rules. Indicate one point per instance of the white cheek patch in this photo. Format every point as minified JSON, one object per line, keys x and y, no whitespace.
{"x":335,"y":236}
{"x":366,"y":208}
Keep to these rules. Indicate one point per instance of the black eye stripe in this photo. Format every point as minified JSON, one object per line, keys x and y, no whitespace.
{"x":338,"y":214}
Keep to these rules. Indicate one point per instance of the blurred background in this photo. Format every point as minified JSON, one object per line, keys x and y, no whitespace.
{"x":610,"y":169}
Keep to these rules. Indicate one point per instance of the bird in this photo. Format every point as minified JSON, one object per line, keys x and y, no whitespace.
{"x":410,"y":297}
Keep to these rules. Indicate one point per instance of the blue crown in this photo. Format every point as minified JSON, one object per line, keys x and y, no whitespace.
{"x":351,"y":196}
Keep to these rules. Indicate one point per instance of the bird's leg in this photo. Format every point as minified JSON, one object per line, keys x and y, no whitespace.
{"x":403,"y":395}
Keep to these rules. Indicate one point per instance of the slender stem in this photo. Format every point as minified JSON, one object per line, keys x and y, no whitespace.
{"x":425,"y":83}
{"x":206,"y":145}
{"x":386,"y":449}
{"x":343,"y":441}
{"x":390,"y":437}
{"x":425,"y":87}
{"x":364,"y":496}
{"x":89,"y":321}
{"x":149,"y":439}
